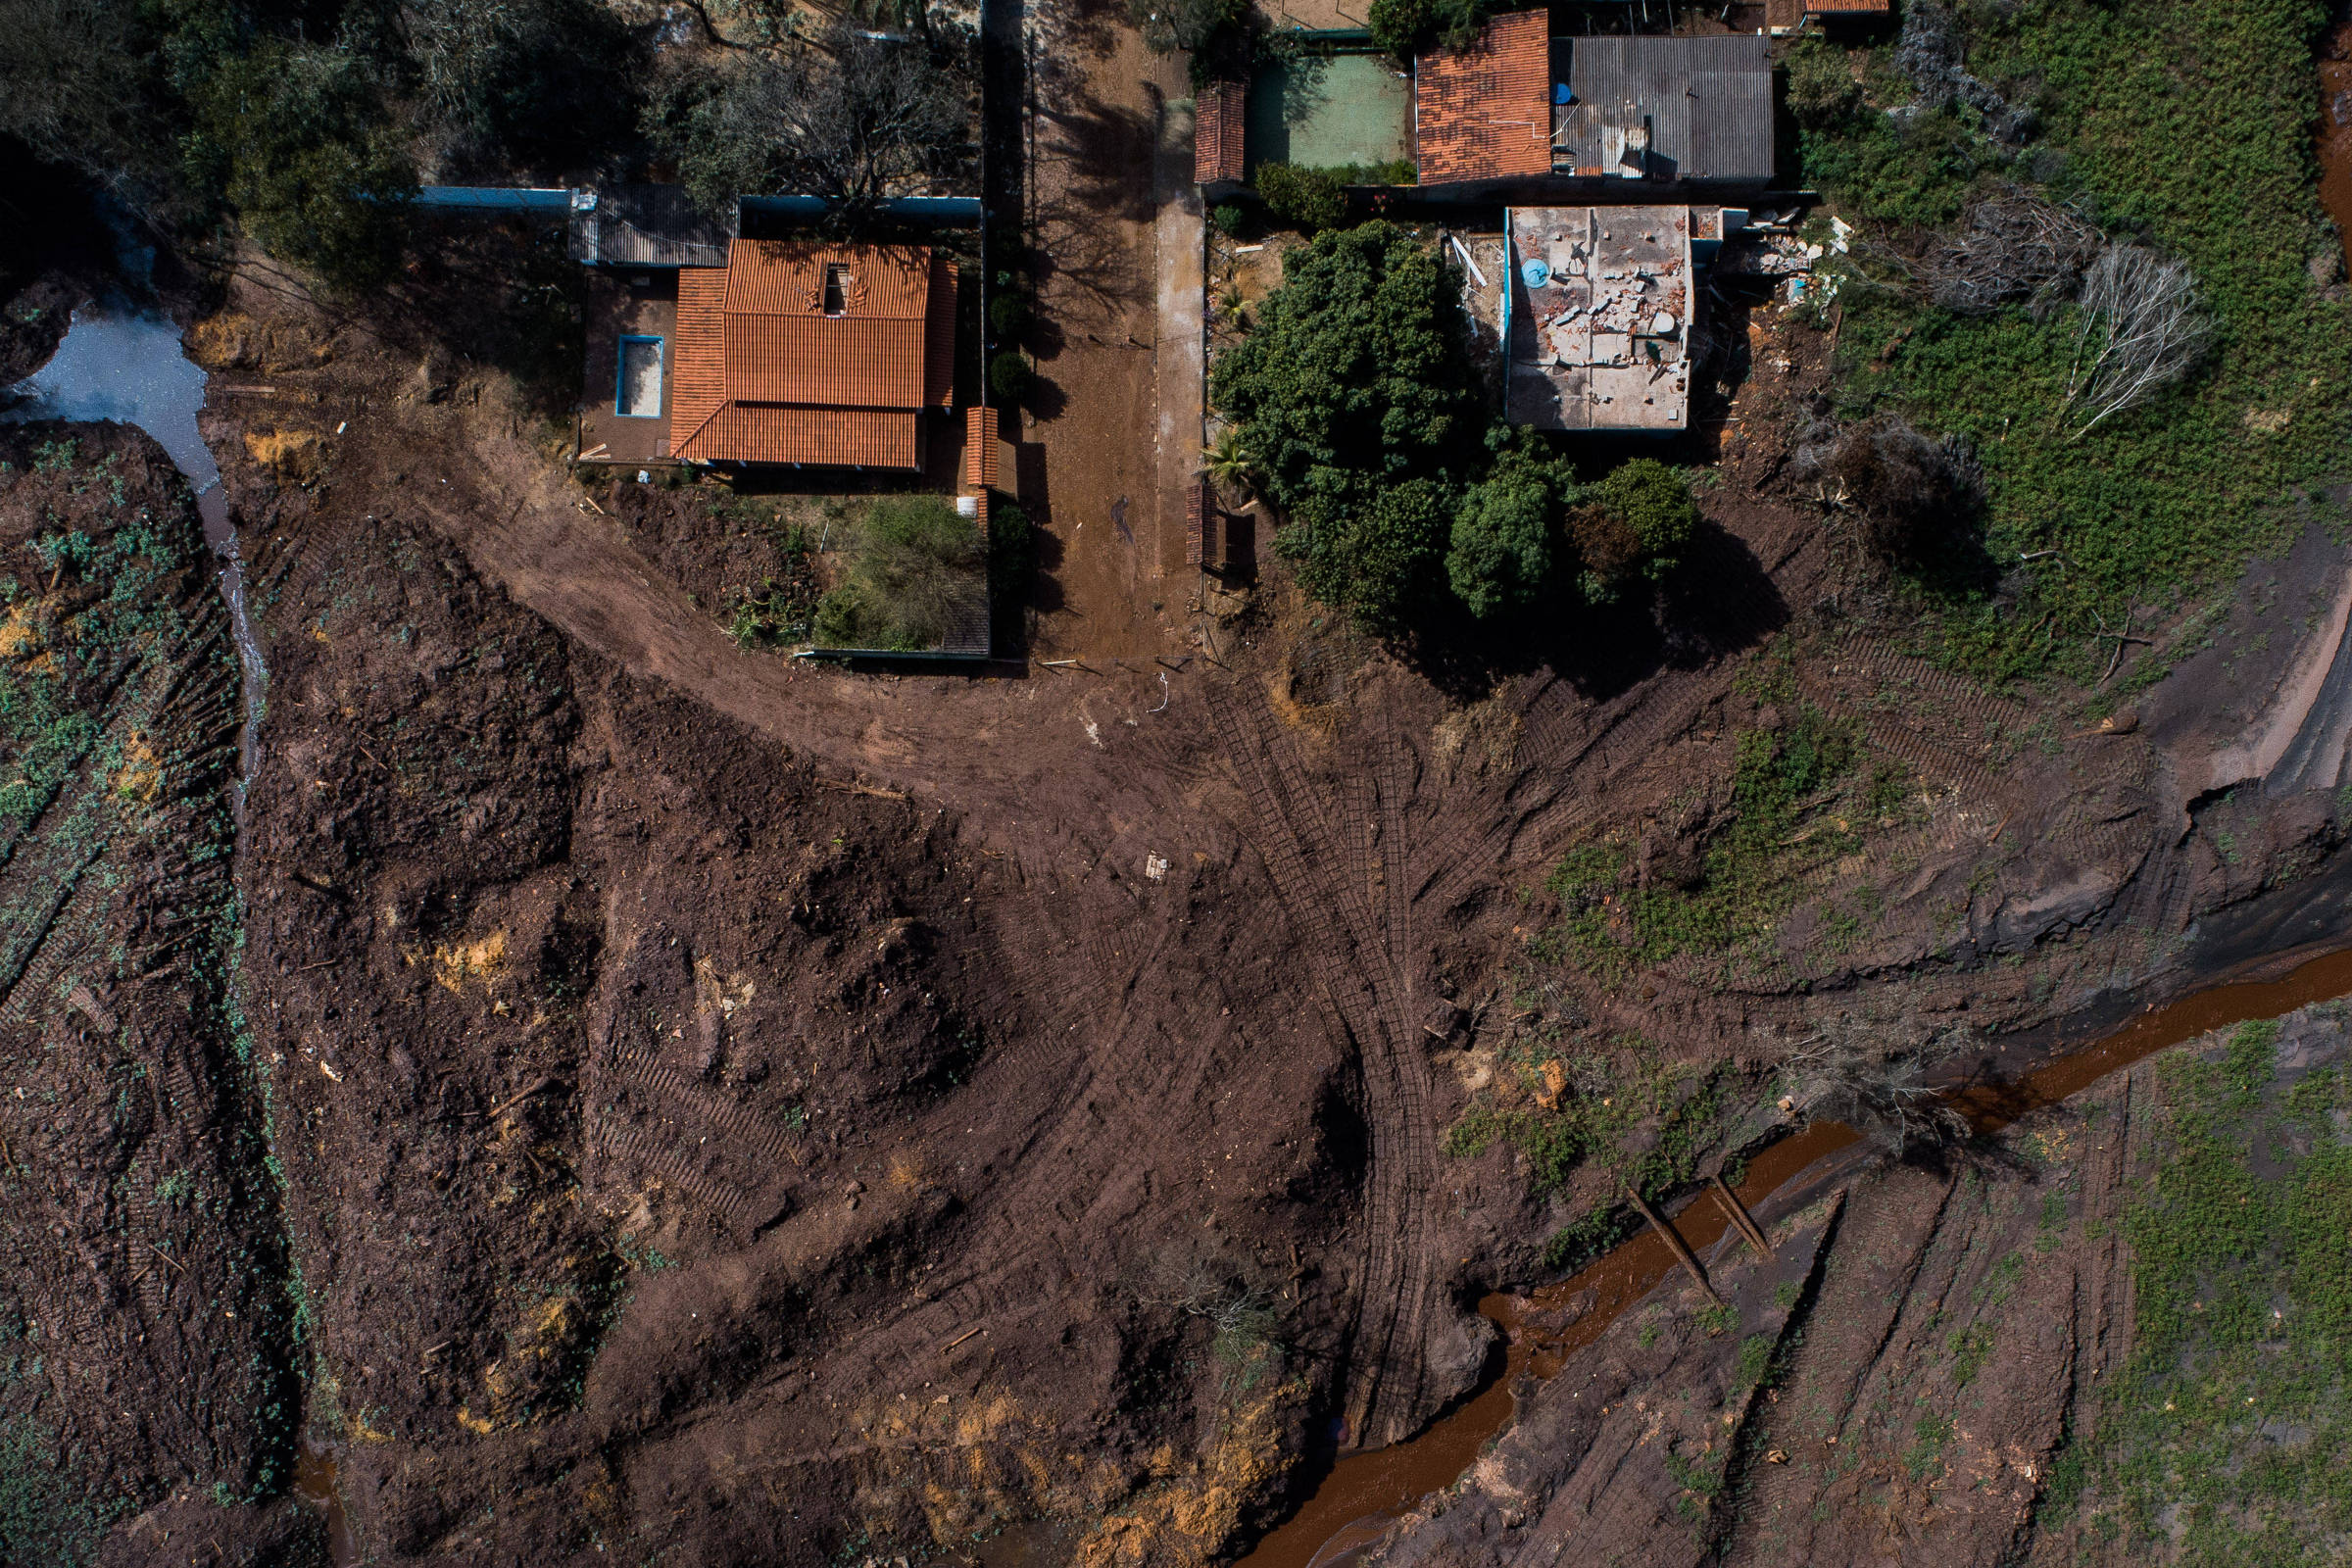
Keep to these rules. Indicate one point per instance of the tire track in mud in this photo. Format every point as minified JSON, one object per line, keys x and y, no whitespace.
{"x":1358,"y":962}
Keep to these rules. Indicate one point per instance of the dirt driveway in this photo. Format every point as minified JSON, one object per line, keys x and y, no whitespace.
{"x":1112,"y":431}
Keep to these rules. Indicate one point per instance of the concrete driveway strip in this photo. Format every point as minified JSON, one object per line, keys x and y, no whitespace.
{"x":1180,"y":243}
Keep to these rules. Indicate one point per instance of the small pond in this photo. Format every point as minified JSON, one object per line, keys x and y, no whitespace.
{"x":126,"y":367}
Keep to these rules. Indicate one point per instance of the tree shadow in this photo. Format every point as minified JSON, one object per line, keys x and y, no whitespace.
{"x":1046,"y":399}
{"x":1719,"y":600}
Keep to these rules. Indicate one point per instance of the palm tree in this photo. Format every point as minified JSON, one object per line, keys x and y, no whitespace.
{"x":1228,"y":463}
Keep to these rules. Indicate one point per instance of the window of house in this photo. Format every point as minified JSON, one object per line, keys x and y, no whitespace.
{"x":837,"y":288}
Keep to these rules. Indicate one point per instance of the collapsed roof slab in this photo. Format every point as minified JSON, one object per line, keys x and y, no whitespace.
{"x":1596,"y":318}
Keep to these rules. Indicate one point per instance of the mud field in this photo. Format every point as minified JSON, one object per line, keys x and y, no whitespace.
{"x":630,"y":1094}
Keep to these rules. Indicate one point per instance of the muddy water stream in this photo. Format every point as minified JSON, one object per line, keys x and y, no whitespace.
{"x":1364,"y":1492}
{"x":2335,"y":133}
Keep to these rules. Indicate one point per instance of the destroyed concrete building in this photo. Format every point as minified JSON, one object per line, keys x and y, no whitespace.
{"x":1598,"y":307}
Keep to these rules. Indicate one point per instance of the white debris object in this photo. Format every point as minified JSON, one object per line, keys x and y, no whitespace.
{"x":1662,"y":323}
{"x":1463,"y":251}
{"x":1156,"y":867}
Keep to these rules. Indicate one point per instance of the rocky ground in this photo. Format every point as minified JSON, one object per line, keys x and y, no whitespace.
{"x":655,"y":1098}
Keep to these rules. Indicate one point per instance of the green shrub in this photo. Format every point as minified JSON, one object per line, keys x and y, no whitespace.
{"x":1230,"y":219}
{"x":1010,"y":377}
{"x":1503,"y":534}
{"x":1312,"y":199}
{"x":915,"y":576}
{"x":1407,"y":27}
{"x":1654,"y":502}
{"x":1822,"y":88}
{"x":1007,"y":316}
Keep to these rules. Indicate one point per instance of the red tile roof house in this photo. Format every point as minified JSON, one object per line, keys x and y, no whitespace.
{"x":812,"y":354}
{"x":1220,"y":161}
{"x":1522,"y":113}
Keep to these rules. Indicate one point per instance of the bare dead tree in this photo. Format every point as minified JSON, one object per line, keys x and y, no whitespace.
{"x":1898,"y":485}
{"x":1871,"y":1074}
{"x":2141,"y":330}
{"x":2011,"y":247}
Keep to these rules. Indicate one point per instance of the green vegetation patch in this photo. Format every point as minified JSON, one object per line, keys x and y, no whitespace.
{"x":1613,"y":1103}
{"x":2181,"y":127}
{"x":917,"y":577}
{"x":2229,"y":1425}
{"x":1405,"y":502}
{"x":1799,"y":800}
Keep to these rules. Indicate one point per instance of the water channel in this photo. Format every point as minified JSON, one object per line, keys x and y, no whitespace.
{"x":1363,"y":1494}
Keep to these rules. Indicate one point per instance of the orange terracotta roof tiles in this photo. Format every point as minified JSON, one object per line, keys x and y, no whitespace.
{"x":812,"y":353}
{"x":1486,"y":113}
{"x":1831,"y":7}
{"x":939,"y":335}
{"x":788,"y":277}
{"x":1219,"y":126}
{"x":697,"y":379}
{"x":979,"y":448}
{"x":770,"y":432}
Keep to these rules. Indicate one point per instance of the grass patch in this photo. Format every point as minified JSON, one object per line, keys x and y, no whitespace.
{"x":2231,"y":1421}
{"x":917,"y":578}
{"x":2163,"y":502}
{"x":1799,"y":800}
{"x":1647,"y":1122}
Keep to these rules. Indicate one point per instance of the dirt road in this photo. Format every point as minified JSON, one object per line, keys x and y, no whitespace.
{"x":1117,"y":225}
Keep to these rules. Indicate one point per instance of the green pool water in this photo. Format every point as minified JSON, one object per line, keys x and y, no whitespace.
{"x":1329,"y":110}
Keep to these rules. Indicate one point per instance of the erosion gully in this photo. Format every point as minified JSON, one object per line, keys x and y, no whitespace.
{"x":1363,"y":1494}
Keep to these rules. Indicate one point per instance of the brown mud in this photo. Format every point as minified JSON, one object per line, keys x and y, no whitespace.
{"x":2335,"y":133}
{"x":731,"y":1112}
{"x":1353,"y":1506}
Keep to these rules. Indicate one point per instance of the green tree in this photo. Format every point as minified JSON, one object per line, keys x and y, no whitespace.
{"x":1633,"y":528}
{"x":1310,"y":198}
{"x":1504,"y":535}
{"x":1354,"y":375}
{"x":1377,"y":552}
{"x":297,"y":140}
{"x":1406,"y":27}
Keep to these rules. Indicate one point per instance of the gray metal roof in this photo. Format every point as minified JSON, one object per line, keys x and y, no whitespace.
{"x":1707,"y":103}
{"x":645,"y":226}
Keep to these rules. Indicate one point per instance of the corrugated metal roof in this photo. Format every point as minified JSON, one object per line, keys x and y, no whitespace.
{"x":771,"y":432}
{"x":764,"y":373}
{"x":1707,"y":102}
{"x":1486,"y":113}
{"x":1219,"y":125}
